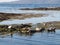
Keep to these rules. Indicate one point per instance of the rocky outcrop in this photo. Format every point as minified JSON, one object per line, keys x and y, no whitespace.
{"x":6,"y":16}
{"x":50,"y":8}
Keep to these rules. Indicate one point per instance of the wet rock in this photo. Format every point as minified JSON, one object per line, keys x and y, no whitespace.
{"x":6,"y":16}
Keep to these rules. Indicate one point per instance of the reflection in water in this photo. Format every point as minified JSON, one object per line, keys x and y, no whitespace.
{"x":22,"y":33}
{"x":43,"y":38}
{"x":11,"y":34}
{"x":52,"y":32}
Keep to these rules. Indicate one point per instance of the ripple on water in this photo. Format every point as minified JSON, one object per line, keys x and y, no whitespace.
{"x":36,"y":39}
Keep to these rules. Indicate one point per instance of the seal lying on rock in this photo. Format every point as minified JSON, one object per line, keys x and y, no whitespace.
{"x":38,"y":30}
{"x":51,"y":29}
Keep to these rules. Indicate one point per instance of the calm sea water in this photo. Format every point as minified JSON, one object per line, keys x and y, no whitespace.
{"x":14,"y":7}
{"x":28,"y":5}
{"x":44,"y":38}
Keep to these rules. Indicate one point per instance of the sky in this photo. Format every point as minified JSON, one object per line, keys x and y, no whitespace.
{"x":7,"y":0}
{"x":32,"y":1}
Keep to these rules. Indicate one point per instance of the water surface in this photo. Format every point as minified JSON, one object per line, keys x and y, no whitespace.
{"x":44,"y":38}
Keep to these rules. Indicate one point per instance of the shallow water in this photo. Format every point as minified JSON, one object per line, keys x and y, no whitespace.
{"x":44,"y":38}
{"x":52,"y":16}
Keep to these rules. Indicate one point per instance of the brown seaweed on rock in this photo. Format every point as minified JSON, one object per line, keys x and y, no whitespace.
{"x":6,"y":16}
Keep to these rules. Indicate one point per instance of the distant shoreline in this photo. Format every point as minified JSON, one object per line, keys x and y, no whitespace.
{"x":48,"y":8}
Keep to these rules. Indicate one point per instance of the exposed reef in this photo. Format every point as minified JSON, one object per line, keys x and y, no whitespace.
{"x":6,"y":16}
{"x":30,"y":27}
{"x":50,"y":8}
